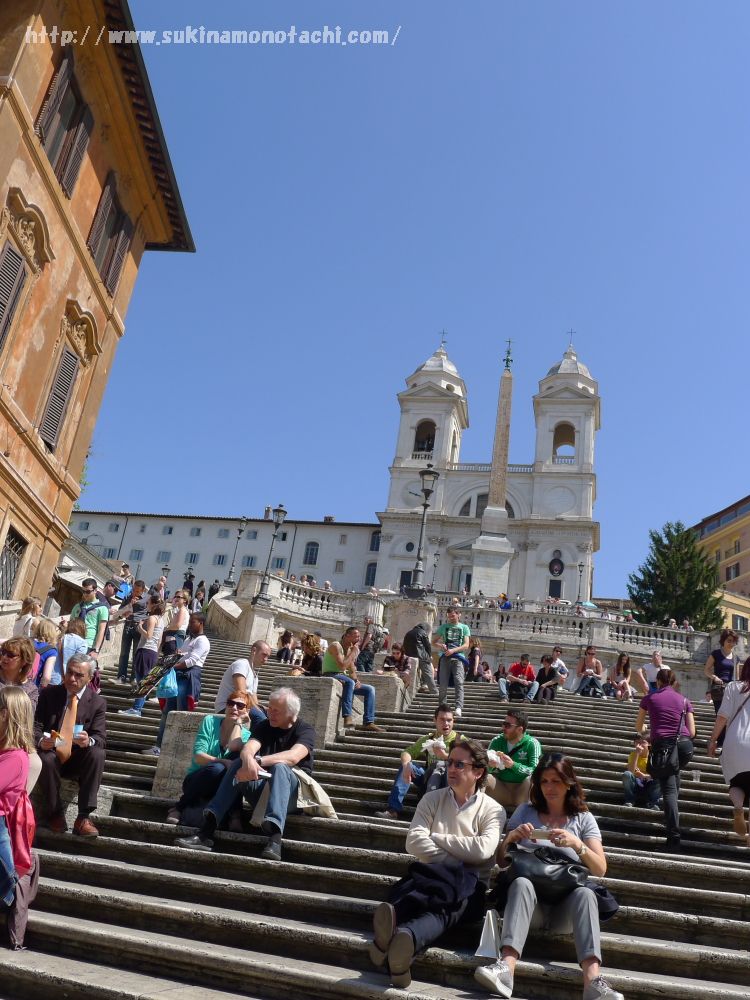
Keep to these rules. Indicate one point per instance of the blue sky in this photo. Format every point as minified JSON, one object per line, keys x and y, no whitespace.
{"x":502,"y":170}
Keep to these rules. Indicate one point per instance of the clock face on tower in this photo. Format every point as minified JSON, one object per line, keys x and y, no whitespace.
{"x":411,"y":494}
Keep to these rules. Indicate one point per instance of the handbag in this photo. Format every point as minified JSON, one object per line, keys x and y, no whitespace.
{"x":664,"y":757}
{"x":551,"y":872}
{"x":167,"y":686}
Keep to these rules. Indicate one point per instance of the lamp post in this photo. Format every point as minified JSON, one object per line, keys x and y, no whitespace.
{"x":435,"y":562}
{"x":429,"y":477}
{"x":229,"y":582}
{"x":581,"y":568}
{"x":279,"y":513}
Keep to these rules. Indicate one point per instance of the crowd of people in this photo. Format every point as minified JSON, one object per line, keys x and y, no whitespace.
{"x":481,"y":810}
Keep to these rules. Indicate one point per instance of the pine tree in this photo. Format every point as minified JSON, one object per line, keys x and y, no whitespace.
{"x":677,"y":580}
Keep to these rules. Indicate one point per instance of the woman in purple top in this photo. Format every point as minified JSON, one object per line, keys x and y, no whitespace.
{"x":667,"y":712}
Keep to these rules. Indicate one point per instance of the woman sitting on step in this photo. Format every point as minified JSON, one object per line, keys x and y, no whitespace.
{"x":218,"y":743}
{"x":557,"y":806}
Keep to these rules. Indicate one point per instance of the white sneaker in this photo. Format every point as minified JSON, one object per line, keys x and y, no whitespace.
{"x":151,"y":752}
{"x":497,"y":978}
{"x":130,"y":711}
{"x":600,"y":989}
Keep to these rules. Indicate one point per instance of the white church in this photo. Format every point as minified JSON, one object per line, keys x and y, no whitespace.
{"x":523,"y":530}
{"x":540,"y":541}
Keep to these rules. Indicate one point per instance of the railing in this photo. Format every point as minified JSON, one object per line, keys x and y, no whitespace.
{"x":421,"y":456}
{"x":315,"y":603}
{"x":563,"y":460}
{"x":484,"y":467}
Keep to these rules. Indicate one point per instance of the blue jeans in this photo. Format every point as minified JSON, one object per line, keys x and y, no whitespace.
{"x":129,"y":641}
{"x":401,"y":787}
{"x":257,"y":715}
{"x":282,"y":798}
{"x":7,"y":867}
{"x":647,"y":794}
{"x":201,"y":784}
{"x":529,"y":693}
{"x":180,"y":703}
{"x":366,"y":691}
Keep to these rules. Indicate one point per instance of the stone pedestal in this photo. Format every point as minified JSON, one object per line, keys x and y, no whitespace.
{"x":69,"y":802}
{"x":491,"y":557}
{"x":401,"y":616}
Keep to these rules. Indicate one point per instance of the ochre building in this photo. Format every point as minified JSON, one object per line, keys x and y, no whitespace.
{"x":86,"y":186}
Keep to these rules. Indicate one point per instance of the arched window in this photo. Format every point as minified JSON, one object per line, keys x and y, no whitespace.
{"x":509,"y":509}
{"x":564,"y":441}
{"x":375,"y":541}
{"x":466,"y":509}
{"x":454,"y":448}
{"x":370,"y":574}
{"x":311,"y":554}
{"x":482,"y":500}
{"x":424,"y":436}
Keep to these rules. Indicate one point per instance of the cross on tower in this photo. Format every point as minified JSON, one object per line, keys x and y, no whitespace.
{"x":570,"y":334}
{"x":443,"y":335}
{"x":508,"y":355}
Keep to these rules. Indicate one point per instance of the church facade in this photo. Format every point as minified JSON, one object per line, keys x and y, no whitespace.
{"x":550,"y":527}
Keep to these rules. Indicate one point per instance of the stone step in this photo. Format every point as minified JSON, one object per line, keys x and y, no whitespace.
{"x":234,"y":967}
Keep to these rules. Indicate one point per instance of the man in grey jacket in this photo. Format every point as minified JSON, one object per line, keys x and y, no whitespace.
{"x":417,"y":643}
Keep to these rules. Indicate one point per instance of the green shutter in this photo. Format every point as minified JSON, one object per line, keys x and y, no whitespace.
{"x":12,"y":278}
{"x":59,"y":398}
{"x":78,"y":147}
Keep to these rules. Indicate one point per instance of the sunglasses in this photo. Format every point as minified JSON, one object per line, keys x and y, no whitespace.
{"x":11,"y":656}
{"x":459,"y":764}
{"x":236,"y":704}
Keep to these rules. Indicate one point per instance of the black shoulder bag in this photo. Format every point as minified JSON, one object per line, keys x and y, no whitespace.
{"x":663,"y":757}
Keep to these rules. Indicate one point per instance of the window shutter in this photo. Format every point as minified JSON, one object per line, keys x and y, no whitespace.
{"x":105,"y":206}
{"x":122,"y":244}
{"x":59,"y":397}
{"x":78,"y":147}
{"x":55,"y":94}
{"x":12,"y":278}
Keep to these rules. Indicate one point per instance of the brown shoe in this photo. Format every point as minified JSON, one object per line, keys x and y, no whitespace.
{"x":57,"y":823}
{"x":373,"y":727}
{"x":83,"y":827}
{"x":349,"y":722}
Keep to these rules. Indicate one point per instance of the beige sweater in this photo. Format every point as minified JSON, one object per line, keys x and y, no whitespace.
{"x":442,"y":832}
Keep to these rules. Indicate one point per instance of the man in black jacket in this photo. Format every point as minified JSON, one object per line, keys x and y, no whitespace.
{"x":417,"y":643}
{"x":70,"y":731}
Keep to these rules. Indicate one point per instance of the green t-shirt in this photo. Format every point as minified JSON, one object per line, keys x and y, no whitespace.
{"x":207,"y":740}
{"x":92,"y":620}
{"x":330,"y":666}
{"x":454,"y":635}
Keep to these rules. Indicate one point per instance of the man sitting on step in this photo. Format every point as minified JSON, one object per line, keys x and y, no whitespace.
{"x":516,"y":753}
{"x":340,"y":662}
{"x":70,"y":730}
{"x":281,"y":743}
{"x":430,"y":776}
{"x":520,"y":681}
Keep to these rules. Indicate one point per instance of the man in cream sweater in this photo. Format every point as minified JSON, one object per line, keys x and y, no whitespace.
{"x":457,"y":829}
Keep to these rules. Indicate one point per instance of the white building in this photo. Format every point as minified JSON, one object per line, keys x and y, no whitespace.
{"x":550,"y":529}
{"x":343,"y":552}
{"x":549,"y":501}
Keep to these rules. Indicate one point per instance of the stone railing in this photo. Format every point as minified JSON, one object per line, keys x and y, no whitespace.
{"x":563,"y":460}
{"x":313,"y":602}
{"x":537,"y":626}
{"x":421,"y":456}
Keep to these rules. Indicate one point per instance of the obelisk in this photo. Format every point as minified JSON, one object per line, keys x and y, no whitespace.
{"x":492,"y":551}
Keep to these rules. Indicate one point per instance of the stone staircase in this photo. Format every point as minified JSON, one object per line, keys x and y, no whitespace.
{"x":128,"y":915}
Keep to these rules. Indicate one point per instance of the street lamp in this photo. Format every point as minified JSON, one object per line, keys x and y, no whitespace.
{"x":429,"y":477}
{"x":581,"y":568}
{"x":165,"y":570}
{"x":229,"y":582}
{"x":435,"y":562}
{"x":279,"y":513}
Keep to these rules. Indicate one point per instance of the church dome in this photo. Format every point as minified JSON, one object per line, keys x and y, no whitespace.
{"x":570,"y":365}
{"x":439,"y":362}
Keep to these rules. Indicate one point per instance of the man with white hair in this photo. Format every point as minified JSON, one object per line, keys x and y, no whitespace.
{"x":281,"y":743}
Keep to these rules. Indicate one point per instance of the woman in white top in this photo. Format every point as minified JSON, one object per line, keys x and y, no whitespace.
{"x":150,"y":630}
{"x":734,"y":716}
{"x":176,"y":629}
{"x":31,"y":608}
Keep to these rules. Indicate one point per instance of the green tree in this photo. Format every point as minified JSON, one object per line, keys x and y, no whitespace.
{"x":677,"y":580}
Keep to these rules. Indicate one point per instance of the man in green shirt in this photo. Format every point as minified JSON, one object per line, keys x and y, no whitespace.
{"x":412,"y":774}
{"x":453,"y":641}
{"x":95,"y":615}
{"x":518,"y":752}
